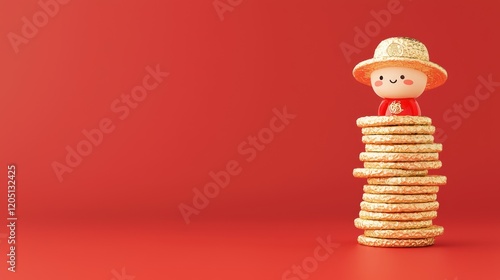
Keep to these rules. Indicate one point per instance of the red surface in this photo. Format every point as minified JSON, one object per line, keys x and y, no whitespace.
{"x":228,"y":80}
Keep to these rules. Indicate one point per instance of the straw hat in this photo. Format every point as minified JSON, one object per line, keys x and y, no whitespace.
{"x":401,"y":52}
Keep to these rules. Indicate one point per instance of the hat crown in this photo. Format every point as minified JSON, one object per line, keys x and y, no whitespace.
{"x":401,"y":47}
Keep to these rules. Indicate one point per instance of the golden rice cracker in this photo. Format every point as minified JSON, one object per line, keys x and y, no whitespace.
{"x":372,"y":224}
{"x":399,"y":207}
{"x":410,"y":216}
{"x":371,"y":173}
{"x":429,"y":180}
{"x":406,"y":129}
{"x":387,"y":242}
{"x":427,"y":232}
{"x":388,"y":157}
{"x":398,"y":139}
{"x":399,"y":198}
{"x":405,"y":148}
{"x":370,"y":121}
{"x":406,"y":165}
{"x":381,"y":189}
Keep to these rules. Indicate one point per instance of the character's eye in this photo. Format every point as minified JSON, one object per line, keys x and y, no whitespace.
{"x":402,"y":77}
{"x":381,"y":78}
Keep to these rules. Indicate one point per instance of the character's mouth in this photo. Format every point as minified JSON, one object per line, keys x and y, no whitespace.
{"x":392,"y":81}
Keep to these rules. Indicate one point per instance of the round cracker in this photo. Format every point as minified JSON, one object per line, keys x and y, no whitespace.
{"x":406,"y":165}
{"x":427,"y":232}
{"x":399,"y":198}
{"x":429,"y":180}
{"x":405,"y":129}
{"x":411,"y":216}
{"x":397,"y":139}
{"x":400,"y":189}
{"x":399,"y":207}
{"x":370,"y":121}
{"x":405,"y":148}
{"x":370,"y":172}
{"x":387,"y":242}
{"x":384,"y":157}
{"x":371,"y":224}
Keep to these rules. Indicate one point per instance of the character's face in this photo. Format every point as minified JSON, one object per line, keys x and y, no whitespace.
{"x":398,"y":82}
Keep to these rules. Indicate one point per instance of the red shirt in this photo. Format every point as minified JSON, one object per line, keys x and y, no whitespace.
{"x":399,"y":107}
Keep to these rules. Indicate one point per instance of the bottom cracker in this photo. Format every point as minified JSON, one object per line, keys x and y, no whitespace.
{"x":382,"y":242}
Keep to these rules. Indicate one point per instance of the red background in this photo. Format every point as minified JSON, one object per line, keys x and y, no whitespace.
{"x":119,"y":207}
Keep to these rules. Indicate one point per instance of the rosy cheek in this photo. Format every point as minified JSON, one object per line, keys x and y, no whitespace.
{"x":408,"y":82}
{"x":378,"y":83}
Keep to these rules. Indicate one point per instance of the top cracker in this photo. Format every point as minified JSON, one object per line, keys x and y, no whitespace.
{"x":392,"y":120}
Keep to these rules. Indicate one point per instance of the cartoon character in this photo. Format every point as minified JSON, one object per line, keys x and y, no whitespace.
{"x":399,"y":72}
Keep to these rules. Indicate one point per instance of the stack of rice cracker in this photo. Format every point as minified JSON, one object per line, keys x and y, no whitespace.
{"x":399,"y":200}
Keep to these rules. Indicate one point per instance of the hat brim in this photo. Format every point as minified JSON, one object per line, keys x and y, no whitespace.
{"x":436,"y":75}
